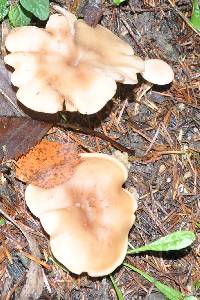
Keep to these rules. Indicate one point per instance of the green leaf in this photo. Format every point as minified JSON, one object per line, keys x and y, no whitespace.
{"x":195,"y":18}
{"x":169,"y":292}
{"x":118,"y":2}
{"x":174,"y":241}
{"x":197,"y":284}
{"x":2,"y":221}
{"x":198,"y":223}
{"x":40,"y":8}
{"x":190,"y":298}
{"x":18,"y":16}
{"x":3,"y":9}
{"x":117,"y":290}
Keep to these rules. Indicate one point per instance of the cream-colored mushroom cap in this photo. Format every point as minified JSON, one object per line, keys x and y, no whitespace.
{"x":88,"y":217}
{"x":108,"y":52}
{"x":69,"y":65}
{"x":49,"y":73}
{"x":158,"y":72}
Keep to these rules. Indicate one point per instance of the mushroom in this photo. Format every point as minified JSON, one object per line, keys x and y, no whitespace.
{"x":158,"y":72}
{"x":70,"y":65}
{"x":89,"y":216}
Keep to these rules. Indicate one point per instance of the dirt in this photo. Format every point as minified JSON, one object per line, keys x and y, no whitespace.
{"x":160,"y":133}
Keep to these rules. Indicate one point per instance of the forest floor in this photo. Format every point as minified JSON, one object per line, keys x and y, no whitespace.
{"x":158,"y":129}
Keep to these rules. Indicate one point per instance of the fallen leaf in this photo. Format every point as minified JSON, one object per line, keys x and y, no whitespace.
{"x":18,"y":135}
{"x":48,"y":164}
{"x":8,"y":98}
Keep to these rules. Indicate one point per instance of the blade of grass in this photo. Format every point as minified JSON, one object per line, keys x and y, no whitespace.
{"x":167,"y":291}
{"x":195,"y":18}
{"x":117,"y":290}
{"x":190,"y":298}
{"x":174,"y":241}
{"x":118,"y":2}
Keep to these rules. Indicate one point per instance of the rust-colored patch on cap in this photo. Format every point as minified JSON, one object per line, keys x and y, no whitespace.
{"x":48,"y":164}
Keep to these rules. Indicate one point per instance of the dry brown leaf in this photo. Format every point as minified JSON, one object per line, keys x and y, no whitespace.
{"x":48,"y":164}
{"x":19,"y":135}
{"x":8,"y":98}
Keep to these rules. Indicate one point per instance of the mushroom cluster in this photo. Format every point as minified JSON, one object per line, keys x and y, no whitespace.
{"x":88,"y":215}
{"x":70,"y":65}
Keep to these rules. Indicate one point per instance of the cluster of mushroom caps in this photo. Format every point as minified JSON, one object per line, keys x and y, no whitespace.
{"x":85,"y":210}
{"x":70,"y":65}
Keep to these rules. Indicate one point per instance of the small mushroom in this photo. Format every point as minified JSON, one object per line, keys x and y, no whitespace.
{"x":158,"y":72}
{"x":88,"y":217}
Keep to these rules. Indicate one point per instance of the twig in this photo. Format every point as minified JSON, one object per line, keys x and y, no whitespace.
{"x":11,"y":102}
{"x":100,"y":135}
{"x":121,"y":112}
{"x":35,"y":259}
{"x":153,"y":141}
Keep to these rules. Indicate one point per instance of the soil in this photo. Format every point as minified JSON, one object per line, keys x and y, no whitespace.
{"x":160,"y":133}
